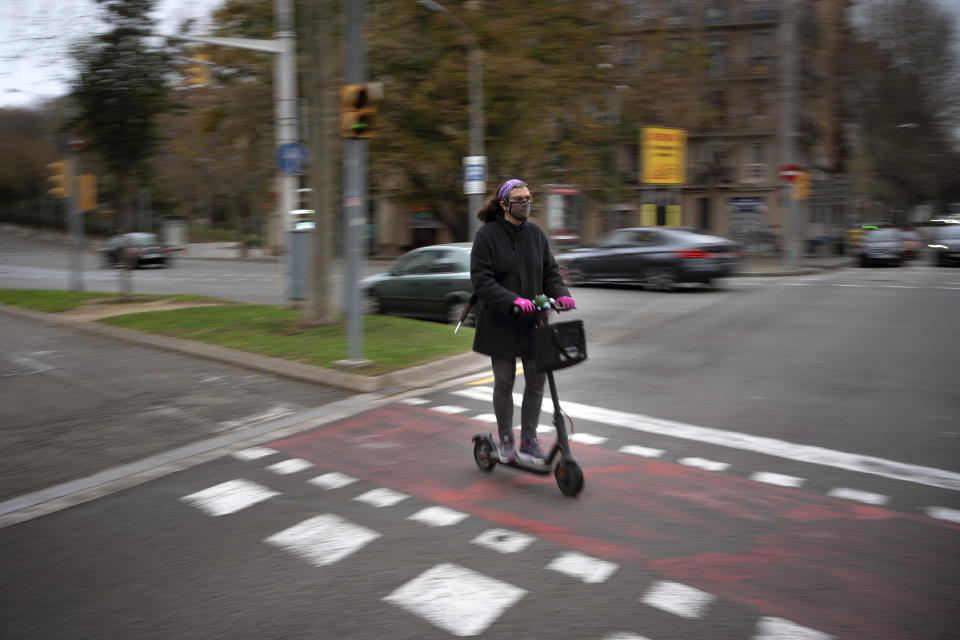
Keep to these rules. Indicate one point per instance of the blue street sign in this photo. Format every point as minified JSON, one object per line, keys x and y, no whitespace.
{"x":474,"y":174}
{"x":290,"y":158}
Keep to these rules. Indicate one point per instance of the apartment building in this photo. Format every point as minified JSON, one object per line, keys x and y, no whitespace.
{"x":766,"y":83}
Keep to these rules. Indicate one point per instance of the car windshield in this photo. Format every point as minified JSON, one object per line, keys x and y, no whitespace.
{"x":881,"y":235}
{"x":144,"y":240}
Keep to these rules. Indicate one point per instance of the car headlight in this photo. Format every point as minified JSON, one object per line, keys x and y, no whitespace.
{"x":938,"y":246}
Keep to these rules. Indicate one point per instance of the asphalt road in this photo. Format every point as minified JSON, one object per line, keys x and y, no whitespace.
{"x":776,"y":460}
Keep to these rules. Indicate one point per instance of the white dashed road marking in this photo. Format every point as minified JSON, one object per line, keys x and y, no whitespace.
{"x":703,"y":463}
{"x":780,"y":629}
{"x":645,"y":452}
{"x":229,"y":497}
{"x":382,"y":497}
{"x":333,"y":480}
{"x":587,"y":438}
{"x":294,"y":465}
{"x":458,"y":600}
{"x":254,"y":453}
{"x":449,"y":409}
{"x":503,"y":540}
{"x":860,"y":496}
{"x":943,"y":513}
{"x":778,"y":479}
{"x":323,"y":540}
{"x":577,"y":565}
{"x":745,"y":442}
{"x":678,"y":599}
{"x":439,"y":517}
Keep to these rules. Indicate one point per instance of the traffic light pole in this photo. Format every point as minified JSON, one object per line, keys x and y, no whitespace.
{"x":354,"y":188}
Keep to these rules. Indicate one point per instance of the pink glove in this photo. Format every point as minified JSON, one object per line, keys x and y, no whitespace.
{"x":526,"y":306}
{"x":566,"y":302}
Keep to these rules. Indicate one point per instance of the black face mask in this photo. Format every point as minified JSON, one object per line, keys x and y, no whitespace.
{"x":519,"y":210}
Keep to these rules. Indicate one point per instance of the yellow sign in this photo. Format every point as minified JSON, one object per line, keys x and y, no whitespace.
{"x":664,"y":156}
{"x":801,"y":186}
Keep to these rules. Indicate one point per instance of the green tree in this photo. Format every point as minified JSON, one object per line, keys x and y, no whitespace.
{"x":120,"y":89}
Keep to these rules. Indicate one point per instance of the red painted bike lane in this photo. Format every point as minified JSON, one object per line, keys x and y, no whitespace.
{"x":850,"y":570}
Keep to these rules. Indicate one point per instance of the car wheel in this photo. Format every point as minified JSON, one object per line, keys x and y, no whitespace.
{"x":659,"y":279}
{"x":864,"y":263}
{"x":575,"y":276}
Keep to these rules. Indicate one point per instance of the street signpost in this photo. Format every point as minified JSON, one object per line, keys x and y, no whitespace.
{"x":474,"y":175}
{"x":290,"y":158}
{"x":789,"y":173}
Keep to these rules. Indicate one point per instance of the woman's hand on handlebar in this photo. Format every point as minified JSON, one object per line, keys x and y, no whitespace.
{"x":566,"y":302}
{"x":522,"y":305}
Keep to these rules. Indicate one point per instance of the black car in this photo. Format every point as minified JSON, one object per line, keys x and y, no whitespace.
{"x":656,"y":257}
{"x":881,"y":246}
{"x":430,"y":282}
{"x":945,"y":245}
{"x":139,"y":248}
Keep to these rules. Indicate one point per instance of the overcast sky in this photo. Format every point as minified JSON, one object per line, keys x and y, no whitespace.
{"x":35,"y":37}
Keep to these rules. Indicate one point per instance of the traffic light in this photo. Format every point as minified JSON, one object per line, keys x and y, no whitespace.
{"x":801,"y":186}
{"x":59,"y":178}
{"x":87,"y":185}
{"x":358,"y":115}
{"x":198,"y":75}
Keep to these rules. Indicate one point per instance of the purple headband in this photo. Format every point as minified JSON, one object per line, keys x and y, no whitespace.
{"x":509,"y":186}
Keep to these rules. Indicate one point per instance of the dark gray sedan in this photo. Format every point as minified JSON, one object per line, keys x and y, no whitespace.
{"x":136,"y":249}
{"x":656,"y":257}
{"x":945,"y":245}
{"x":430,"y":282}
{"x":881,"y":246}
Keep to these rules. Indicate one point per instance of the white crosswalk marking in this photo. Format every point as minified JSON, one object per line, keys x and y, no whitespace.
{"x":503,"y":540}
{"x":860,"y":496}
{"x":943,"y":513}
{"x":578,"y":565}
{"x":678,"y":599}
{"x":449,"y":409}
{"x":456,"y":599}
{"x":229,"y":497}
{"x":703,"y":463}
{"x":253,"y":453}
{"x":323,"y":540}
{"x":780,"y":629}
{"x":778,"y":479}
{"x":587,"y":438}
{"x":637,"y":450}
{"x":286,"y":467}
{"x":333,"y":480}
{"x":382,"y":497}
{"x":439,"y":517}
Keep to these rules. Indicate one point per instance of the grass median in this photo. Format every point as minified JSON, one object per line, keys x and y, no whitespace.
{"x":390,"y":343}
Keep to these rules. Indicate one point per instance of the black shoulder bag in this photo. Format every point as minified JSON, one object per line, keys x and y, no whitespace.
{"x":559,"y":345}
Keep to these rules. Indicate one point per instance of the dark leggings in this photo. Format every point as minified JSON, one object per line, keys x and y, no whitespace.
{"x":504,"y":372}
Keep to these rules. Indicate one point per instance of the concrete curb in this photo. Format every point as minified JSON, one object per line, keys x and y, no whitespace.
{"x":425,"y":375}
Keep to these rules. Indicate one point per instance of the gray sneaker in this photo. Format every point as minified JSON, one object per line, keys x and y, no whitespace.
{"x":530,"y":451}
{"x":507,"y":451}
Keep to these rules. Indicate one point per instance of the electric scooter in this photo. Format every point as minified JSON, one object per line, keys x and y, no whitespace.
{"x":560,"y":460}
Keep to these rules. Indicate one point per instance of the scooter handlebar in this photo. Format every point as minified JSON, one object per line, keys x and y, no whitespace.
{"x":545,"y":306}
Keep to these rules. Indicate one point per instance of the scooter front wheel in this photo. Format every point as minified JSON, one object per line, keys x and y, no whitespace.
{"x":483,"y":454}
{"x":569,"y":477}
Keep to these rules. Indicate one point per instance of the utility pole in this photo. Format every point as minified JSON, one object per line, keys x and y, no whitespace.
{"x":787,"y":35}
{"x":354,"y":187}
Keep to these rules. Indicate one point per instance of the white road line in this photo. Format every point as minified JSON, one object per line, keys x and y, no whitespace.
{"x":382,"y":497}
{"x":780,"y":629}
{"x":778,"y":479}
{"x":450,"y":409}
{"x":577,"y":565}
{"x":287,"y":467}
{"x":587,"y":438}
{"x":439,"y":517}
{"x":415,"y":401}
{"x":253,"y":453}
{"x":323,"y":539}
{"x":746,"y":442}
{"x":943,"y":513}
{"x":624,"y":636}
{"x":637,"y":450}
{"x":486,"y":417}
{"x":229,"y":497}
{"x":678,"y":599}
{"x":860,"y":496}
{"x":332,"y":480}
{"x":504,"y":540}
{"x":458,"y":600}
{"x":703,"y":463}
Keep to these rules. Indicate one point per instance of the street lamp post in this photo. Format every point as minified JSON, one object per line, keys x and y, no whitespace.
{"x":475,"y":80}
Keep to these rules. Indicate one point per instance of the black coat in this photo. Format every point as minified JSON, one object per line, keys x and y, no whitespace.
{"x":508,"y":262}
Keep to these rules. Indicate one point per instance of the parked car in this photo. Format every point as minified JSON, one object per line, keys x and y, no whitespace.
{"x":945,"y":245}
{"x":881,"y":246}
{"x":430,"y":282}
{"x":910,"y":242}
{"x":656,"y":257}
{"x":141,"y":248}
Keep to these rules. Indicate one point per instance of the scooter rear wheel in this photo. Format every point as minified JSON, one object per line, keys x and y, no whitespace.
{"x":483,"y":454}
{"x":569,"y":477}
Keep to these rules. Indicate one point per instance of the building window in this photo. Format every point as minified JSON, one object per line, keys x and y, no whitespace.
{"x":718,"y":58}
{"x":756,"y":166}
{"x":759,"y":50}
{"x":679,"y":12}
{"x":761,"y":9}
{"x":716,"y":11}
{"x":639,"y":11}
